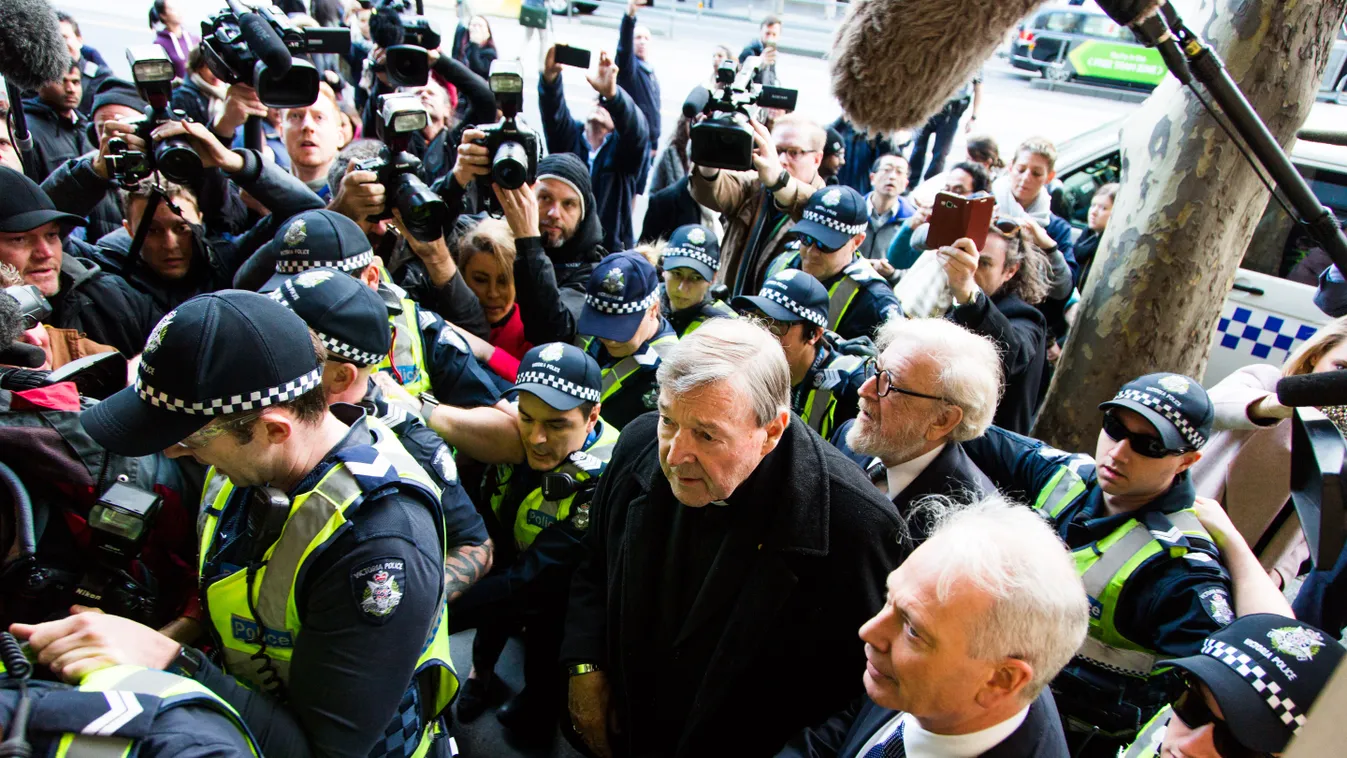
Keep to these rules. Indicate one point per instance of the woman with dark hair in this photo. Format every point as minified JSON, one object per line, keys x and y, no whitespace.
{"x":674,"y":160}
{"x":172,"y":35}
{"x":474,"y":46}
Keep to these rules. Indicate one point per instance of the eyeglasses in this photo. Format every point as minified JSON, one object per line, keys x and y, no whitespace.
{"x":1191,"y":708}
{"x":778,"y":329}
{"x":794,"y":152}
{"x":889,"y":170}
{"x":884,"y":383}
{"x":807,"y":241}
{"x":204,"y":436}
{"x":1146,"y":445}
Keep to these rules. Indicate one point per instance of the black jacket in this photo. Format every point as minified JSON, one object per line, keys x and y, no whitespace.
{"x":550,"y":286}
{"x":74,"y":188}
{"x":843,"y":735}
{"x":56,"y":139}
{"x":669,"y":209}
{"x":192,"y":100}
{"x":102,"y":306}
{"x":793,"y":584}
{"x":638,"y":78}
{"x":1021,"y":335}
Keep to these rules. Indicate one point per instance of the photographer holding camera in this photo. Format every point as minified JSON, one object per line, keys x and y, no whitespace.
{"x":615,"y":134}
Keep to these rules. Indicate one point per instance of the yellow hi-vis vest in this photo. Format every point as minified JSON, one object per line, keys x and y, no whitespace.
{"x":1105,"y":566}
{"x":244,"y":613}
{"x":536,"y":514}
{"x":407,"y":359}
{"x":649,"y":355}
{"x":820,"y":405}
{"x":1147,"y":743}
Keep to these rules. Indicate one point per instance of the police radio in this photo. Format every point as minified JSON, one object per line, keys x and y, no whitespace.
{"x":559,"y":486}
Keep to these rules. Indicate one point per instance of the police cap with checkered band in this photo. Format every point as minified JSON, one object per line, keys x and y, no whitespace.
{"x":1176,"y":406}
{"x":559,"y":374}
{"x":789,"y":296}
{"x":693,"y":246}
{"x":350,"y":318}
{"x":833,"y":216}
{"x":621,"y":289}
{"x":314,"y":239}
{"x":1265,"y":672}
{"x":225,"y":352}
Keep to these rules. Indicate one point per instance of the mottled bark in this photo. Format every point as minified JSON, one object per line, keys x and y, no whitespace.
{"x":1186,"y":211}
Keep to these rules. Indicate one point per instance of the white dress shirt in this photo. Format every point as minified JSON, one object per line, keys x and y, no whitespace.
{"x":902,"y":475}
{"x":919,"y":743}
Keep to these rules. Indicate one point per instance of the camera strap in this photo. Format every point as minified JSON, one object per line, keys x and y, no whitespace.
{"x":157,"y":196}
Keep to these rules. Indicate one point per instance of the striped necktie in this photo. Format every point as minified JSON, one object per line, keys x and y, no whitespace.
{"x":890,"y":748}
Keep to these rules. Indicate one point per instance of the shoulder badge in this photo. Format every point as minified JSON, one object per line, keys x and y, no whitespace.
{"x":377,"y":586}
{"x":1216,"y":602}
{"x":651,"y":398}
{"x":157,"y":336}
{"x":614,"y":283}
{"x":311,"y":279}
{"x":1296,"y":641}
{"x":581,"y":517}
{"x":1176,"y":384}
{"x":697,"y":237}
{"x":296,"y":234}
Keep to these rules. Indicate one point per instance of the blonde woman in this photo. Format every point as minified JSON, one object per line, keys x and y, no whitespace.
{"x":486,"y":256}
{"x":1247,"y":465}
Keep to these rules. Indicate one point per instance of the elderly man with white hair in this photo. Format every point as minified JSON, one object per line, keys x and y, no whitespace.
{"x":732,"y":554}
{"x":977,"y":621}
{"x":933,"y":386}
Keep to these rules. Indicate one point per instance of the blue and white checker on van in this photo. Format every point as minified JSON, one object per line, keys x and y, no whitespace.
{"x":1263,"y":335}
{"x":1262,"y":326}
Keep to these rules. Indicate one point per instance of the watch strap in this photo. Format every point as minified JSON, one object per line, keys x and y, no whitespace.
{"x":187,"y":662}
{"x":781,"y":182}
{"x":583,"y":668}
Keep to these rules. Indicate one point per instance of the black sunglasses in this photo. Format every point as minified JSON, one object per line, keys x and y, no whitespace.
{"x":1191,"y":708}
{"x":807,"y":241}
{"x":1145,"y":445}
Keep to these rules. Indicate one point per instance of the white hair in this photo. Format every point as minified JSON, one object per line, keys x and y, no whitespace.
{"x":967,"y":367}
{"x":1039,"y":613}
{"x":731,"y":349}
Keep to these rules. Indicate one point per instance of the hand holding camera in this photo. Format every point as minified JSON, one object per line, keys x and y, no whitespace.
{"x":604,"y":79}
{"x":241,"y":101}
{"x":395,"y":170}
{"x":360,"y":194}
{"x":765,"y":158}
{"x":551,"y":69}
{"x":960,"y":261}
{"x":115,"y":130}
{"x":473,"y":159}
{"x":207,"y":146}
{"x":521,"y":210}
{"x":433,"y":253}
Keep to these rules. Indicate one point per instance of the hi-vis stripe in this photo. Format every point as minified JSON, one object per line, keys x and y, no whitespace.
{"x":122,"y":708}
{"x":379,"y":467}
{"x":1173,"y":534}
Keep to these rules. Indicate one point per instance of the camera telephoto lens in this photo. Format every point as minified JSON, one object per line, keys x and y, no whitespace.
{"x":178,"y":161}
{"x":510,"y":167}
{"x":423,"y":212}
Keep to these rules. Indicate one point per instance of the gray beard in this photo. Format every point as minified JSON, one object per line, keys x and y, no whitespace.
{"x":867,"y":440}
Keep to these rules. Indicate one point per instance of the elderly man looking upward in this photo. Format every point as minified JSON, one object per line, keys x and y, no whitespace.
{"x":728,"y":543}
{"x":977,"y":621}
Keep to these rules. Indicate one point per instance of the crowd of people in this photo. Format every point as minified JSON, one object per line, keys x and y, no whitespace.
{"x":750,"y":475}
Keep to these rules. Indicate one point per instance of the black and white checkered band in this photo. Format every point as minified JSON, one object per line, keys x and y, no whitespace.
{"x":812,"y":316}
{"x":354,"y":263}
{"x":834,"y":224}
{"x":1282,"y":707}
{"x":255,"y":400}
{"x":621,"y":309}
{"x":555,"y":382}
{"x":352,"y":354}
{"x":1169,"y":412}
{"x":696,"y":255}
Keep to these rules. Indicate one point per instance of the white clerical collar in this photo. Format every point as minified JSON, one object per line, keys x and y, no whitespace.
{"x":902,"y":475}
{"x":920,"y":743}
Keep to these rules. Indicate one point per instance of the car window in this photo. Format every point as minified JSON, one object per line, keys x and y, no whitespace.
{"x":1072,"y":200}
{"x":1103,"y":27}
{"x":1059,"y":21}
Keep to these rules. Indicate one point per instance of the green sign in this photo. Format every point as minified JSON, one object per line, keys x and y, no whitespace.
{"x":1120,"y":62}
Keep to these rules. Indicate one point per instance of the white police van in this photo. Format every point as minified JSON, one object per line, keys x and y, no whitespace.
{"x":1270,"y":310}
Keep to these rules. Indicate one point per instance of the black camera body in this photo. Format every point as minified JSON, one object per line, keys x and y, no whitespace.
{"x":424,"y":213}
{"x":173,"y":157}
{"x":405,"y":37}
{"x":514,"y":148}
{"x":725,"y":140}
{"x":229,"y":57}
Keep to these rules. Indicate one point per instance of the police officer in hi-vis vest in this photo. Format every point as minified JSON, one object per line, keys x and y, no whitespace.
{"x":825,"y":382}
{"x":690,"y":262}
{"x":539,"y":492}
{"x":621,"y":327}
{"x":1152,"y":572}
{"x":428,"y":355}
{"x":322,"y":545}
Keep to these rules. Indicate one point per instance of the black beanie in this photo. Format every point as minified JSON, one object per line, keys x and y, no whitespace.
{"x":118,"y":92}
{"x":571,"y":170}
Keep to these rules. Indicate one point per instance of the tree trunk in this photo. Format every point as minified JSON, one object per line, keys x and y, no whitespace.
{"x":1186,"y":211}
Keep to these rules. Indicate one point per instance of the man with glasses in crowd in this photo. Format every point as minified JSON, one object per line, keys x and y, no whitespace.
{"x":886,"y":208}
{"x":833,"y":227}
{"x":1152,"y":572}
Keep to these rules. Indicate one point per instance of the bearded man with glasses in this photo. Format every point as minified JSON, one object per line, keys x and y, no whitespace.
{"x":1153,"y":573}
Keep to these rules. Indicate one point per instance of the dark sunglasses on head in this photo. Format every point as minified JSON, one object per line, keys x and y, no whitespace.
{"x":1191,"y":708}
{"x":1007,"y":226}
{"x":1146,"y":445}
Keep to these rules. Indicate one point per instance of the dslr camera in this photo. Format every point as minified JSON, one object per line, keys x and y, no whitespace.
{"x":514,"y":148}
{"x":724,"y":139}
{"x":423,"y":212}
{"x":232,"y":58}
{"x":173,"y":157}
{"x":405,"y":37}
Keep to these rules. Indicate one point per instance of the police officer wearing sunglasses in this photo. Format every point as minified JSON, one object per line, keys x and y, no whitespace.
{"x":1153,"y":574}
{"x":830,"y":232}
{"x":1245,"y":694}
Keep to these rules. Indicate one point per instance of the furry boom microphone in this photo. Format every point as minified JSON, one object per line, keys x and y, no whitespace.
{"x":896,"y":62}
{"x":32,"y":52}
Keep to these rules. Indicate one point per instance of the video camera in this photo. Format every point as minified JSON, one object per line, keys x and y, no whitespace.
{"x":514,"y":148}
{"x":724,"y":139}
{"x":405,"y":38}
{"x":257,"y":48}
{"x":173,"y":157}
{"x":424,"y":213}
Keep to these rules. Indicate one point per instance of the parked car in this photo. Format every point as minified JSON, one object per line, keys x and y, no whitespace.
{"x":1071,"y":43}
{"x":1334,"y":86}
{"x":1270,"y":310}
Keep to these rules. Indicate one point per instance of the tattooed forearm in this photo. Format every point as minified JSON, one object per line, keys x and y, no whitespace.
{"x":464,"y":566}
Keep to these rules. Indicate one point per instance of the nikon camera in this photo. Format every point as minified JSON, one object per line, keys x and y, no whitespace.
{"x":724,"y":139}
{"x":514,"y":148}
{"x":173,"y":157}
{"x":423,"y":212}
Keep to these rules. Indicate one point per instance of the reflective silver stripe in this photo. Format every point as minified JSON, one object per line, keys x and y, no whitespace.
{"x":149,"y":682}
{"x":1130,"y":662}
{"x":305,"y":523}
{"x":620,"y":370}
{"x":837,"y":301}
{"x":208,"y":497}
{"x":1054,"y":501}
{"x":1098,"y":576}
{"x":818,"y":412}
{"x":1187,"y":522}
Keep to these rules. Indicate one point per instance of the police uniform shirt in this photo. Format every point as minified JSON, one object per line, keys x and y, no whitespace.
{"x":344,"y":648}
{"x":456,"y":378}
{"x":873,"y":304}
{"x":845,"y":386}
{"x":639,"y":392}
{"x":681,"y":321}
